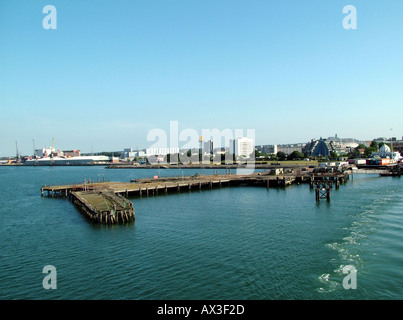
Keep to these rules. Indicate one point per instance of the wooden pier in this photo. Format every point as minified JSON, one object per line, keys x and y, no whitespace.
{"x":323,"y":183}
{"x":103,"y":206}
{"x":107,"y":203}
{"x":393,"y":171}
{"x":147,"y":187}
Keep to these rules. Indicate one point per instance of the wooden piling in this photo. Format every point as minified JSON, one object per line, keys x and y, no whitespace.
{"x":103,"y":207}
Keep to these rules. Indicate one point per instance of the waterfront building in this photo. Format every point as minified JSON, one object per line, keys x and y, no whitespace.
{"x":71,"y":153}
{"x":208,"y":147}
{"x":386,"y":153}
{"x":44,"y":152}
{"x":242,"y":147}
{"x":289,"y":148}
{"x":267,"y":149}
{"x":344,"y":145}
{"x":128,"y":154}
{"x":82,"y":160}
{"x":320,"y":147}
{"x":161,"y":151}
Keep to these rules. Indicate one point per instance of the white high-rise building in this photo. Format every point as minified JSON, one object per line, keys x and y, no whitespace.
{"x":243,"y":147}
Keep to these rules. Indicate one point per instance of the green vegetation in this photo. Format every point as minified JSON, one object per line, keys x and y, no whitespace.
{"x":296,"y":155}
{"x":365,"y":152}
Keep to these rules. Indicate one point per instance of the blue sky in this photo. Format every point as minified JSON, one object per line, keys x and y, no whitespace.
{"x":114,"y":70}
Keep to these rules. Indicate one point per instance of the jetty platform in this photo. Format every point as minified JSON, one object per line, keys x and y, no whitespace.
{"x":146,"y":186}
{"x":107,"y":202}
{"x":104,"y":207}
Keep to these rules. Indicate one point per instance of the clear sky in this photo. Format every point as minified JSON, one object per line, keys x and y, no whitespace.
{"x":113,"y":70}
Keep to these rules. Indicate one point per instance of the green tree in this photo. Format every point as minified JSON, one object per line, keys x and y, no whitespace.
{"x":296,"y":155}
{"x":388,"y":144}
{"x":333,"y":155}
{"x":281,"y":156}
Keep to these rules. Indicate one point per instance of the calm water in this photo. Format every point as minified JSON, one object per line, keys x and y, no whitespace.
{"x":229,"y":243}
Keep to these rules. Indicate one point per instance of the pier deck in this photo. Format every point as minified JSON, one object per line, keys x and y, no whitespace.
{"x":146,"y":186}
{"x":103,"y":206}
{"x":106,"y":202}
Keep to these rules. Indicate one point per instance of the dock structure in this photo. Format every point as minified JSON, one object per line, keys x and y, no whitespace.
{"x":104,"y":207}
{"x":323,"y":183}
{"x":147,"y":187}
{"x":107,"y":202}
{"x":393,"y":171}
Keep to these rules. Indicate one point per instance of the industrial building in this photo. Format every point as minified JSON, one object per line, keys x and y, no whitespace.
{"x":81,"y":160}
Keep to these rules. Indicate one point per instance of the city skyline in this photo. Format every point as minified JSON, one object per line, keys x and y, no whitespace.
{"x":114,"y":70}
{"x":180,"y":147}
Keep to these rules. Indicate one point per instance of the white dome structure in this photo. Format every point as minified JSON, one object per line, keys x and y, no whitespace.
{"x":384,"y":149}
{"x":386,"y":153}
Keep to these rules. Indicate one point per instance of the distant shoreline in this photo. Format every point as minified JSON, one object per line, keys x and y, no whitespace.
{"x":168,"y":166}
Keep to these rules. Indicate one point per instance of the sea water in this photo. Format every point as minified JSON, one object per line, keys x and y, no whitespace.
{"x":226,"y":243}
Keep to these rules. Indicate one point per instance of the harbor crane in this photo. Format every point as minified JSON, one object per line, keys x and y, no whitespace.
{"x":17,"y":153}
